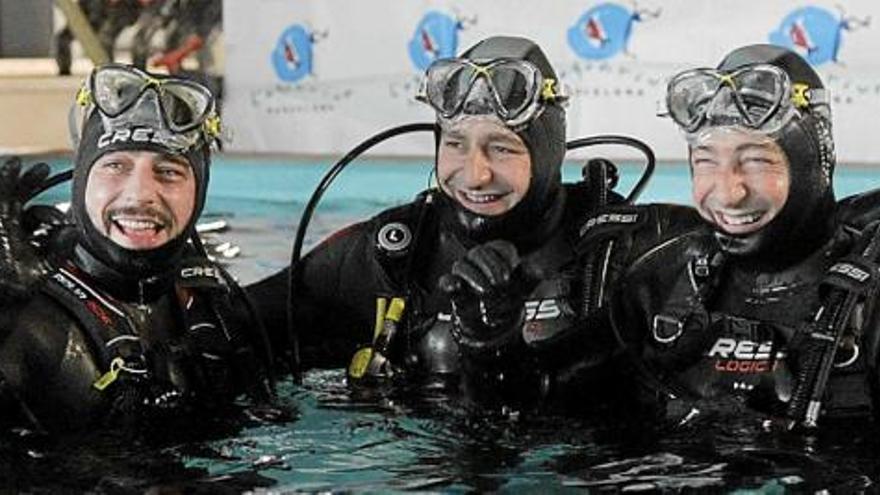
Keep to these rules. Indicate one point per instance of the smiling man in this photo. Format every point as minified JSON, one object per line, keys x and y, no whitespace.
{"x":370,"y":296}
{"x":483,"y":165}
{"x":729,"y":311}
{"x":140,"y":199}
{"x":740,"y":179}
{"x":134,"y":322}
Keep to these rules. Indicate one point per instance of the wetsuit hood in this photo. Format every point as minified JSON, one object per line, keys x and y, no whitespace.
{"x":95,"y":142}
{"x":806,"y":220}
{"x":539,"y":212}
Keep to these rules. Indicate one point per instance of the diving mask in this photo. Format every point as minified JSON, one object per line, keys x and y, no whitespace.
{"x":182,"y":111}
{"x":514,"y":90}
{"x":760,"y":97}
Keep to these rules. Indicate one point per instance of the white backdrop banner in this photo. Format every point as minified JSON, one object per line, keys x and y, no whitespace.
{"x":319,"y":76}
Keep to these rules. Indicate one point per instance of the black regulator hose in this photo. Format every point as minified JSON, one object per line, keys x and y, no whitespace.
{"x":593,"y":275}
{"x":650,"y":159}
{"x":53,"y":181}
{"x":309,"y":210}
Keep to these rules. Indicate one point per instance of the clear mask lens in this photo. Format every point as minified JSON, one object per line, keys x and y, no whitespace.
{"x":515,"y":89}
{"x":181,"y":111}
{"x":757,"y":97}
{"x":147,"y":111}
{"x":184,"y":104}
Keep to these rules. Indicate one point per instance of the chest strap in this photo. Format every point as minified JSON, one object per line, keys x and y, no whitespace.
{"x":108,"y":329}
{"x":687,"y":302}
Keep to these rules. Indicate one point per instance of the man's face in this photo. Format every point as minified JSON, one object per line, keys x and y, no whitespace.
{"x":483,"y":165}
{"x":740,"y":179}
{"x":140,"y":199}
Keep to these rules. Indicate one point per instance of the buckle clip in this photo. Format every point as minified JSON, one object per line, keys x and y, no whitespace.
{"x":671,"y":330}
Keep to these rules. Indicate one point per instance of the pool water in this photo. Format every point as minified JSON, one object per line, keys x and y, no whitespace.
{"x":336,"y":441}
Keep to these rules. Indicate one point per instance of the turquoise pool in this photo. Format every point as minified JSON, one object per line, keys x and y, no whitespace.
{"x":336,"y":442}
{"x":272,"y":193}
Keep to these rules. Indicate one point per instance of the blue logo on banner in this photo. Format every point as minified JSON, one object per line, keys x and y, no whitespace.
{"x":292,"y":56}
{"x":435,"y":37}
{"x":604,"y":30}
{"x":815,"y":33}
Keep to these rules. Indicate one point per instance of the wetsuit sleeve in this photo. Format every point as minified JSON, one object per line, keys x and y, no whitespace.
{"x":652,"y":272}
{"x":859,"y":210}
{"x":46,"y":368}
{"x":332,"y":300}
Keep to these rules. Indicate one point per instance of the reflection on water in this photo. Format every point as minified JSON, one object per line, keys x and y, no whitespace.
{"x":336,"y":441}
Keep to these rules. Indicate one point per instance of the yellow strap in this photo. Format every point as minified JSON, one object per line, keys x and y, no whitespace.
{"x":361,"y":360}
{"x":109,"y":377}
{"x":357,"y":368}
{"x":395,"y":310}
{"x":381,"y":305}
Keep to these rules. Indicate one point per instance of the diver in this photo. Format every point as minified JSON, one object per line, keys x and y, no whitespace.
{"x":108,"y":18}
{"x":131,"y":323}
{"x":370,"y":297}
{"x":768,"y":305}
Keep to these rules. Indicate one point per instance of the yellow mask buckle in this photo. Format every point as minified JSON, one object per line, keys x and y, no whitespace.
{"x":799,"y":95}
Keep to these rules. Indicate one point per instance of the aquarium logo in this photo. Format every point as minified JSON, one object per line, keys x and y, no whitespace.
{"x":815,"y":33}
{"x":292,"y":56}
{"x":604,"y":30}
{"x":436,"y":36}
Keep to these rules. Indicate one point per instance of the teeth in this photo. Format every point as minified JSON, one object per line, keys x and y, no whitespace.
{"x":481,"y":198}
{"x":741,"y":219}
{"x":131,"y":224}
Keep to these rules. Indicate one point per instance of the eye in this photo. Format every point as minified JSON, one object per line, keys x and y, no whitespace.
{"x":698,"y":161}
{"x":453,"y":144}
{"x":504,"y":148}
{"x":111,"y":167}
{"x":757,"y":161}
{"x":170,"y":172}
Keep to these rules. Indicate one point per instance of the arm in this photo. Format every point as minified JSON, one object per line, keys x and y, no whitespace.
{"x":46,"y":368}
{"x":21,"y":268}
{"x":578,"y":360}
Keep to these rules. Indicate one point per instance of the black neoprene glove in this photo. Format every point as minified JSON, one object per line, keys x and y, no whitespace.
{"x":21,"y":268}
{"x":487,"y":288}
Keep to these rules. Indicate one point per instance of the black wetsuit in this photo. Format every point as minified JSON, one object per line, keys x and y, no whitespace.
{"x":561,"y":351}
{"x":705,"y":326}
{"x":163,"y":347}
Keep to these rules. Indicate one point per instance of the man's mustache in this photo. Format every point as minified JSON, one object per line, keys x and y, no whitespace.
{"x":157,"y":215}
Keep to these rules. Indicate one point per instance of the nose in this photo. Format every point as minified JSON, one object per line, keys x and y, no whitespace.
{"x":140,"y":186}
{"x":478,"y":171}
{"x":730,"y":187}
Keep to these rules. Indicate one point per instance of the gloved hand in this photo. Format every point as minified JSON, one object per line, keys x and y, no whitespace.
{"x":487,"y":288}
{"x":21,"y":268}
